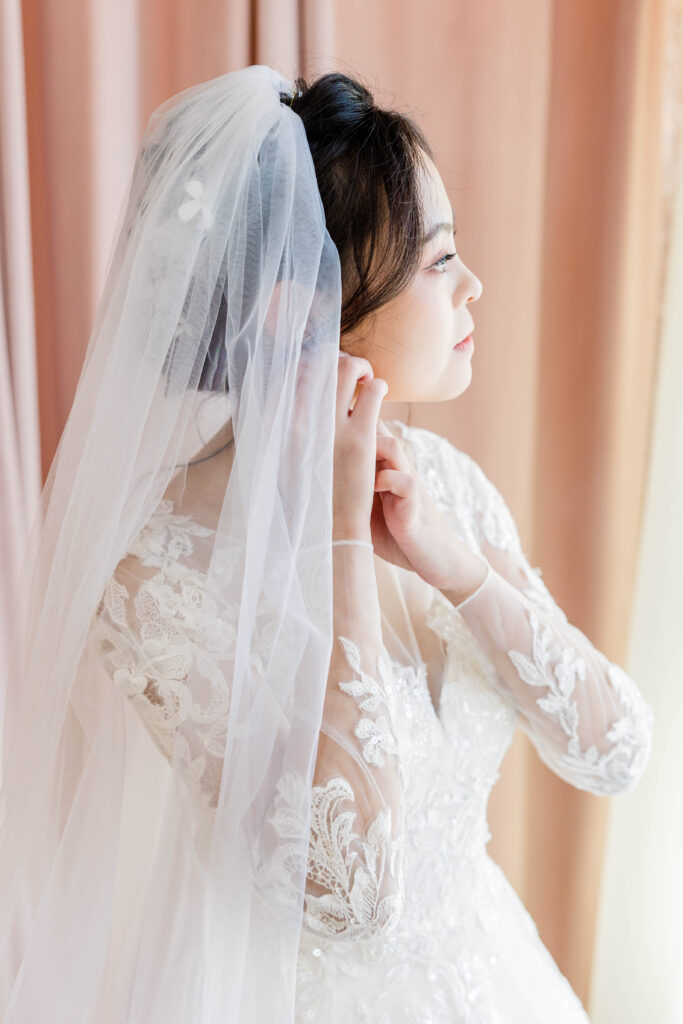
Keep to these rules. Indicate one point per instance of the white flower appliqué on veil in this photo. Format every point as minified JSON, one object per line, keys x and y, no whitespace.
{"x":197,"y":202}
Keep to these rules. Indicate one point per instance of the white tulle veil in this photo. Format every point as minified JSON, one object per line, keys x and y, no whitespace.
{"x":123,"y":898}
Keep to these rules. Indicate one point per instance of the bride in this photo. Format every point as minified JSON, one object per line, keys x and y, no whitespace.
{"x":272,"y":646}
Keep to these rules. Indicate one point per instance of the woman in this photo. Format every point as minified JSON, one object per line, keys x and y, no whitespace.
{"x":323,"y":625}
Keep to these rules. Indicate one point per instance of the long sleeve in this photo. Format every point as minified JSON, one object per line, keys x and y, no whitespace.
{"x":356,"y":851}
{"x":584,"y":714}
{"x":156,"y":629}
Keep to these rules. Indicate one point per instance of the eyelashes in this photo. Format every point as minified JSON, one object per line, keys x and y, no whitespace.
{"x":440,"y":264}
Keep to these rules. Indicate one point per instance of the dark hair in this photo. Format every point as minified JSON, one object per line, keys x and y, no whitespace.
{"x":367,"y":162}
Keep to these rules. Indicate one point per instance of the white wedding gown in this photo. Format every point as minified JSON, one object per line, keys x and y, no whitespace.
{"x":407,"y":919}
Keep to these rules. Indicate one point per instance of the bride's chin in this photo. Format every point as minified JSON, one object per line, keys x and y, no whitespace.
{"x":455,"y":391}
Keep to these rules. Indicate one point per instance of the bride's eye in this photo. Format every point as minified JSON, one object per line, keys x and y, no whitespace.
{"x":440,"y":264}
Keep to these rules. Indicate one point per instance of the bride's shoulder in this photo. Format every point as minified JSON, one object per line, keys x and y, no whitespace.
{"x":169,"y":532}
{"x":160,"y":587}
{"x":168,"y":547}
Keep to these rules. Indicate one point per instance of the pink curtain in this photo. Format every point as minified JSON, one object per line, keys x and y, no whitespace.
{"x":20,"y":477}
{"x":546,"y":122}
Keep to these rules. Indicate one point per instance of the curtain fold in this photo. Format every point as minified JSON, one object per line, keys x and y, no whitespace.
{"x":641,"y":899}
{"x":20,"y":476}
{"x":599,"y":343}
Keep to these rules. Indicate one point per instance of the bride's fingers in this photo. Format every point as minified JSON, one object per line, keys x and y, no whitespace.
{"x":402,"y":485}
{"x":390,"y":449}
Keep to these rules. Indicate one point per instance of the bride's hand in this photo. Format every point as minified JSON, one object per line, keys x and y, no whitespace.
{"x":407,"y":527}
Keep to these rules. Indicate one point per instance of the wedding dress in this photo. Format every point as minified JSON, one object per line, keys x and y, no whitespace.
{"x":407,"y":919}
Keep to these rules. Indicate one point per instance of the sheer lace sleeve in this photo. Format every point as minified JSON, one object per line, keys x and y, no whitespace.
{"x":155,"y":623}
{"x":583,"y":713}
{"x":357,"y":830}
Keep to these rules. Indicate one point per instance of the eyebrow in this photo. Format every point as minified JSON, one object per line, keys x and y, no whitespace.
{"x":444,"y":226}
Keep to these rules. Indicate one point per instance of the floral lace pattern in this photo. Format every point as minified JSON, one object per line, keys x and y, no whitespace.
{"x":357,"y":900}
{"x":375,"y":733}
{"x":176,"y":627}
{"x":558,"y":669}
{"x":354,"y":877}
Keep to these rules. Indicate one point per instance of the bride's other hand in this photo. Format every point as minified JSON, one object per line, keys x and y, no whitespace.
{"x":407,"y":527}
{"x":354,"y":447}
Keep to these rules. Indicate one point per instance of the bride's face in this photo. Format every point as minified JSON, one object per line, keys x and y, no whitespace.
{"x":410,"y":340}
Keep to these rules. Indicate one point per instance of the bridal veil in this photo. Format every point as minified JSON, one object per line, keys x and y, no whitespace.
{"x":124,"y":896}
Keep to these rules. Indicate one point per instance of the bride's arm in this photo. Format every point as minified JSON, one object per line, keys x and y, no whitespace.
{"x":152,"y":632}
{"x":584,"y":713}
{"x":355,"y":859}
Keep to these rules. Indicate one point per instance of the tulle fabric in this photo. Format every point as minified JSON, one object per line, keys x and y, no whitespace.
{"x":122,"y":898}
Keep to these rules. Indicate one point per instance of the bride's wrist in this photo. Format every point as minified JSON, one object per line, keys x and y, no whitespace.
{"x":343,"y":530}
{"x":468,"y":579}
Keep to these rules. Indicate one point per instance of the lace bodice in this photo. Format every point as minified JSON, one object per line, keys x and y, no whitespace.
{"x":398,"y":826}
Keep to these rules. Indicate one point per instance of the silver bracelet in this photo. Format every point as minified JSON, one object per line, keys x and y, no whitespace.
{"x":363,"y":543}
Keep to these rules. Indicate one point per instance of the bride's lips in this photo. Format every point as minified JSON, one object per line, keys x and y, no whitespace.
{"x":464,"y":345}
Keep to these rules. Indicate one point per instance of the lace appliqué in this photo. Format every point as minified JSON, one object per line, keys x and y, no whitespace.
{"x":178,"y":625}
{"x":558,"y":668}
{"x":376,"y":734}
{"x":280,"y":870}
{"x":355,"y":883}
{"x":362,"y":877}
